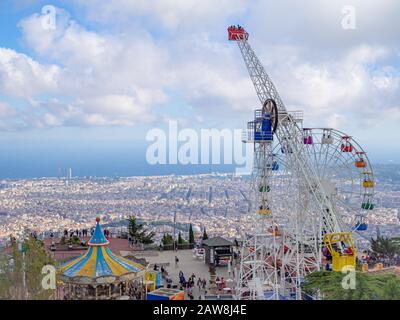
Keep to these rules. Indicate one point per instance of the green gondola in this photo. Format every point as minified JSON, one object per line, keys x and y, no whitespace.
{"x":367,"y":206}
{"x":264,"y":189}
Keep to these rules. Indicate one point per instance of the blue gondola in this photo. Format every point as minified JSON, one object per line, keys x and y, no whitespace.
{"x":361,"y":227}
{"x":263,"y":128}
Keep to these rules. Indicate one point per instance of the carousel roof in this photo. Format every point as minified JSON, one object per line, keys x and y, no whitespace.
{"x":98,"y":260}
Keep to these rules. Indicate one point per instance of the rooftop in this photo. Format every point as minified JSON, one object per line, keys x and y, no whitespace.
{"x":217,"y":242}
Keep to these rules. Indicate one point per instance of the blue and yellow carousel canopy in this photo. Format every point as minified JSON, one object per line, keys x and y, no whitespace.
{"x":98,"y":260}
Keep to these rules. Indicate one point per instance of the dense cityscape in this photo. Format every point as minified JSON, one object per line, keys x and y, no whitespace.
{"x":217,"y":202}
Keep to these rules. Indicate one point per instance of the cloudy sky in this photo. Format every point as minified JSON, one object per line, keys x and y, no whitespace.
{"x":111,"y":70}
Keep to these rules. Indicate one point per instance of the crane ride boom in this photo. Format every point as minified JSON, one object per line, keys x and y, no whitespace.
{"x":286,"y":130}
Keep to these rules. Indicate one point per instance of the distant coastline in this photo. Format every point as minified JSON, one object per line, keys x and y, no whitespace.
{"x":161,"y":171}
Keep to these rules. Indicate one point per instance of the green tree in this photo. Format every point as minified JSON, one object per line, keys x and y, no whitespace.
{"x":191,"y":235}
{"x":36,"y":258}
{"x":328,"y":285}
{"x":205,"y":236}
{"x":10,"y":276}
{"x":167,"y":240}
{"x":391,"y":289}
{"x":384,"y":246}
{"x":31,"y":262}
{"x":138,"y":232}
{"x":180,"y":239}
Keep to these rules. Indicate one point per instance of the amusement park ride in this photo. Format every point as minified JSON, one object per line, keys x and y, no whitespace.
{"x":311,"y":191}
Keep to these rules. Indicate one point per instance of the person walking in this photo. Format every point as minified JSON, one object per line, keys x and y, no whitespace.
{"x":176,"y":262}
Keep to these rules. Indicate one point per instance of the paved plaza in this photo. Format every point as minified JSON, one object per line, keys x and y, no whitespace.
{"x":188,"y":264}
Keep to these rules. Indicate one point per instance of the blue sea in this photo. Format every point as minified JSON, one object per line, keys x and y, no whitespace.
{"x":20,"y":160}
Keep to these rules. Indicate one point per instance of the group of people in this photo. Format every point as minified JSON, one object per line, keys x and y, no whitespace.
{"x":372,"y":258}
{"x":189,"y":284}
{"x":81,"y":233}
{"x":236,"y":27}
{"x":202,"y":284}
{"x":221,"y":283}
{"x":342,"y":250}
{"x":78,"y":233}
{"x":163,"y":271}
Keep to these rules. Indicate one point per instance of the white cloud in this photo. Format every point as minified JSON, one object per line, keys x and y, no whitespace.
{"x":21,"y":76}
{"x":351,"y":88}
{"x":123,"y":77}
{"x":109,"y":77}
{"x":100,"y":79}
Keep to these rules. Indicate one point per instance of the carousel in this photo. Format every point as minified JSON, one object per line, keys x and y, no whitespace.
{"x":99,"y":274}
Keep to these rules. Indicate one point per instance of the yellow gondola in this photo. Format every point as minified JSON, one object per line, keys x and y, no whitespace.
{"x":368,"y":184}
{"x":341,"y":248}
{"x":264,"y":211}
{"x":368,"y":181}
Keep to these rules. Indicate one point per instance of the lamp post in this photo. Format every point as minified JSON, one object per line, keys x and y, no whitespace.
{"x":174,"y":230}
{"x":22,"y":248}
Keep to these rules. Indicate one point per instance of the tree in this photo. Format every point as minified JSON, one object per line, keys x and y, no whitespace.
{"x":167,"y":240}
{"x":148,"y":238}
{"x":63,"y":240}
{"x":391,"y":289}
{"x":138,"y":232}
{"x":9,"y":278}
{"x":74,"y":240}
{"x":367,"y":287}
{"x":180,"y":239}
{"x":33,"y":260}
{"x":205,"y":236}
{"x":191,"y":235}
{"x":36,"y":258}
{"x":384,"y":246}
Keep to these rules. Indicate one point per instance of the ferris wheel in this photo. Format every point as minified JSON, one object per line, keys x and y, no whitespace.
{"x":343,"y":168}
{"x":311,"y":187}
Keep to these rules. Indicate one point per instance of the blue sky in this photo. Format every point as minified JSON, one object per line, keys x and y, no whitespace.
{"x":87,"y":92}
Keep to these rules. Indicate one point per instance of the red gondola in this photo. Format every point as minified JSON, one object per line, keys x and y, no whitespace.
{"x":346,"y":145}
{"x":237,"y":33}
